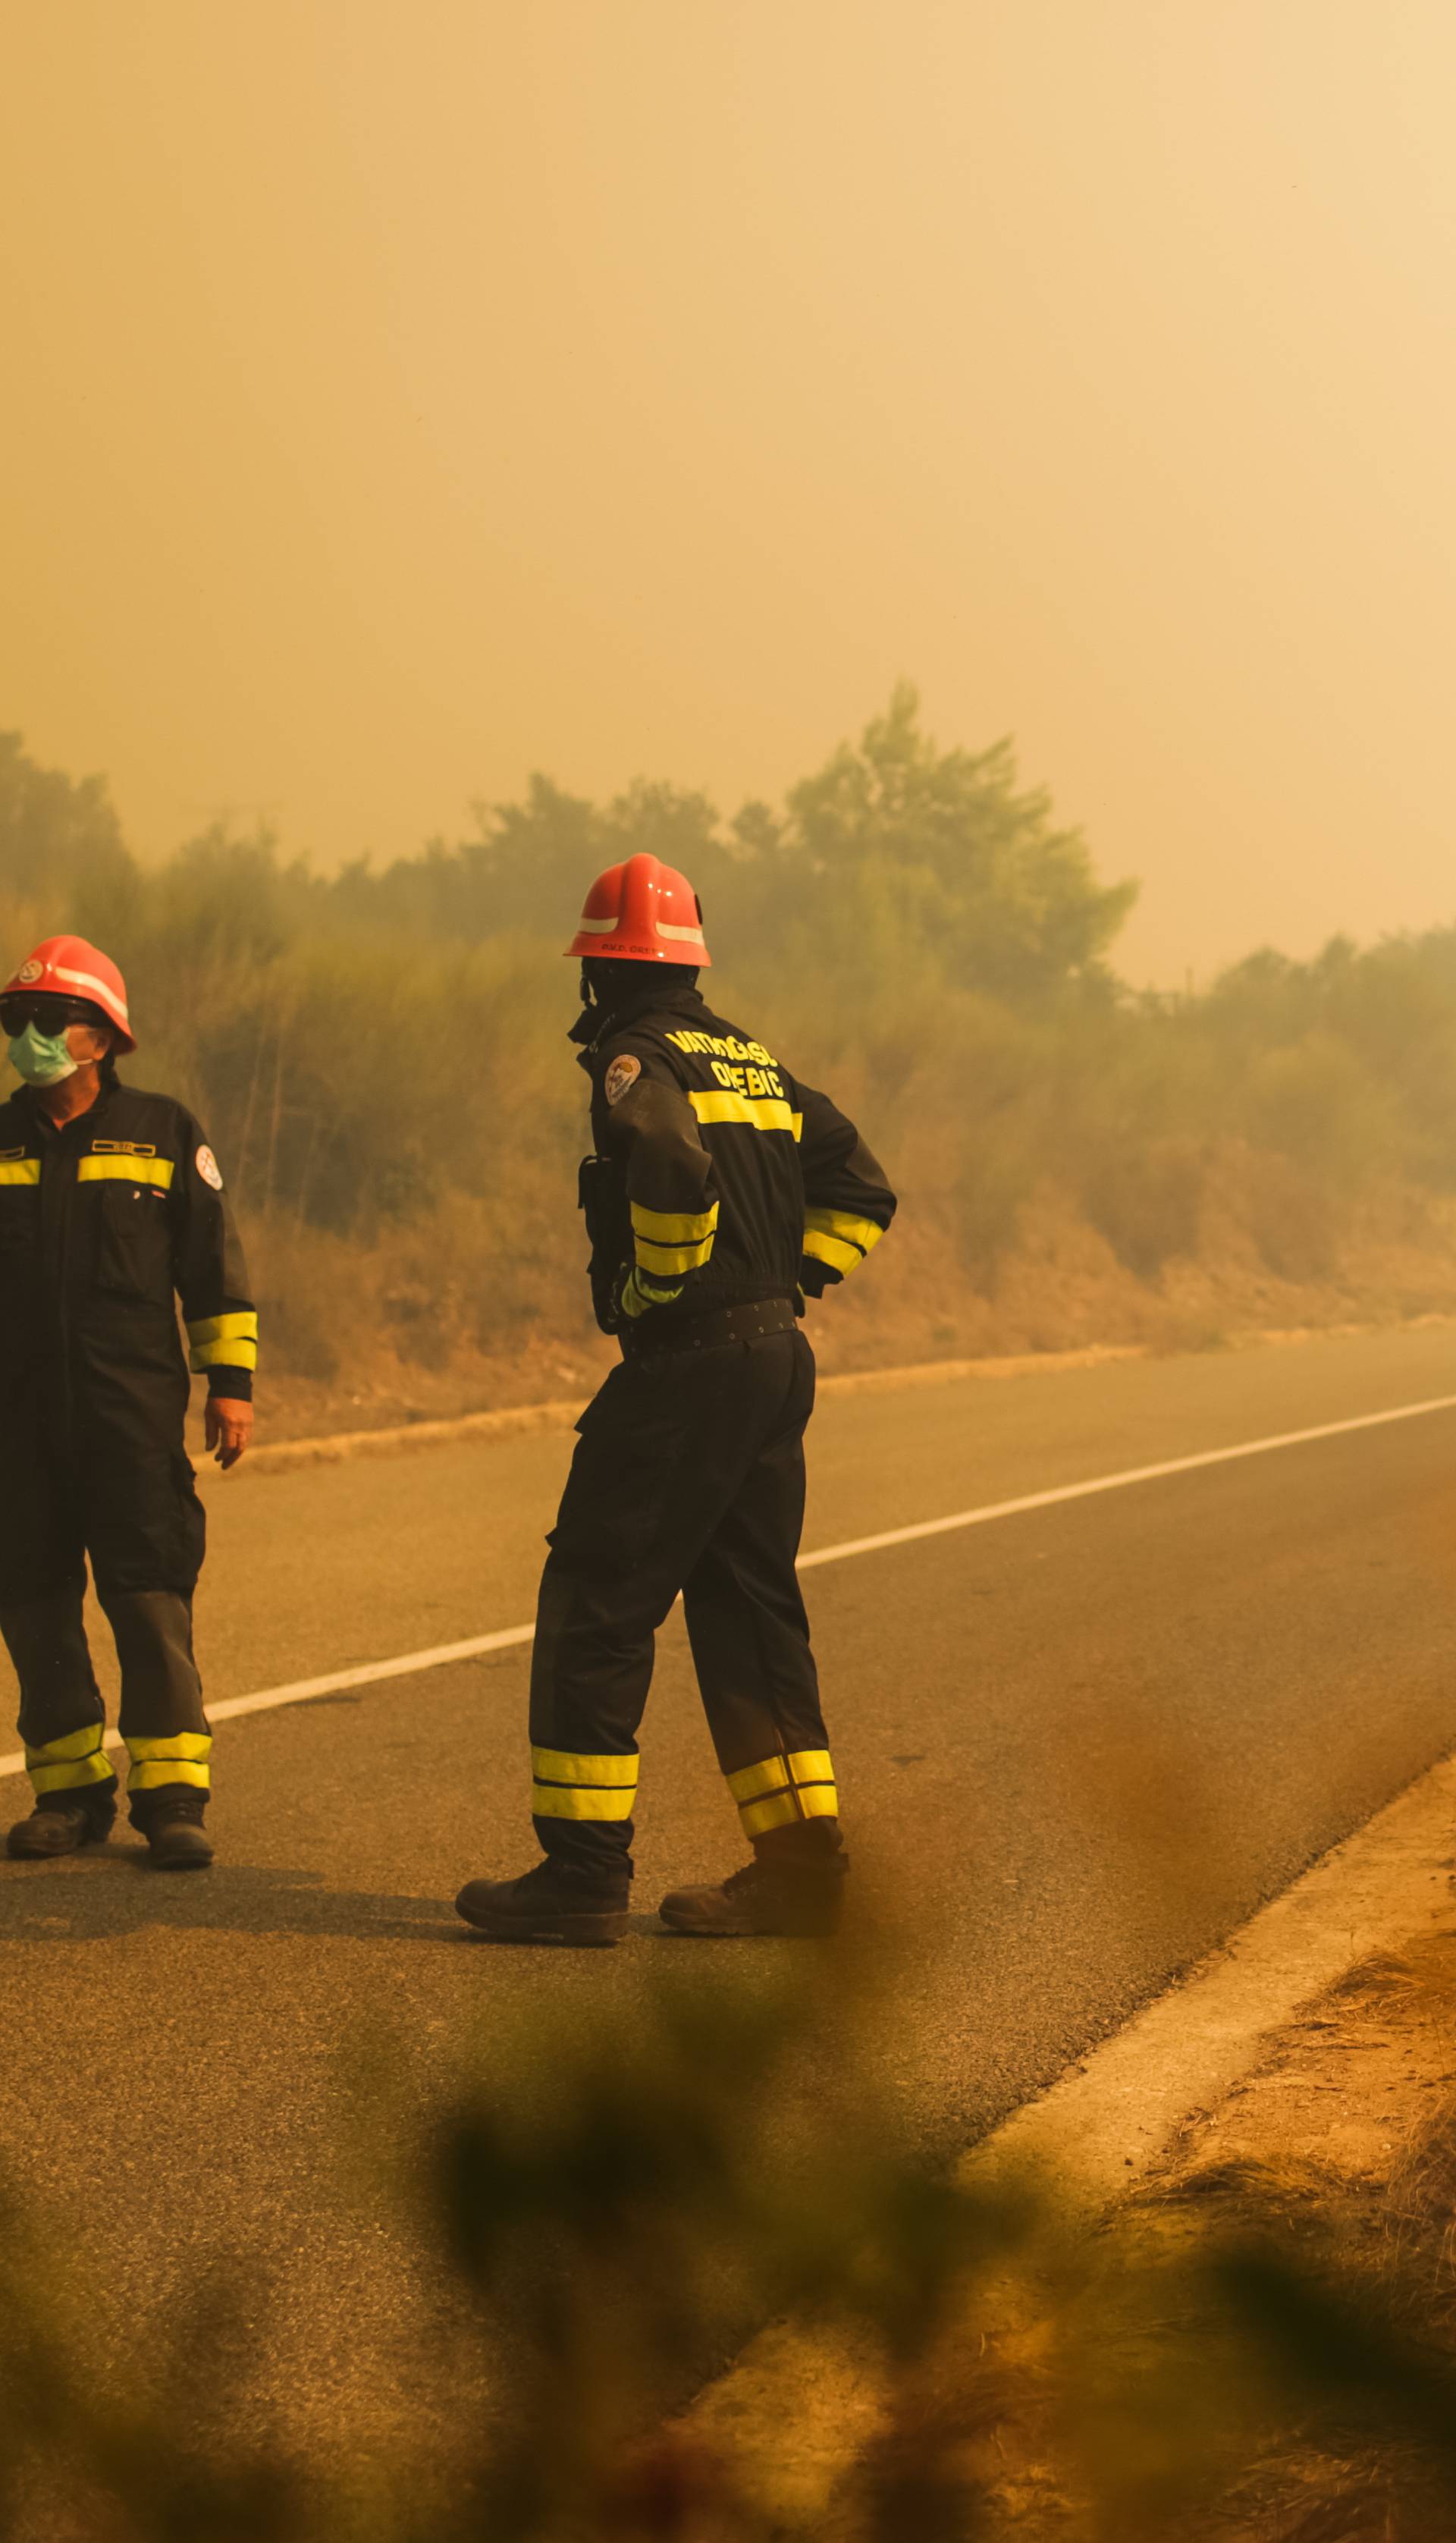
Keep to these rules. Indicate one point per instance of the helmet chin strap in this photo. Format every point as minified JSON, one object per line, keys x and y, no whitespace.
{"x":608,"y":987}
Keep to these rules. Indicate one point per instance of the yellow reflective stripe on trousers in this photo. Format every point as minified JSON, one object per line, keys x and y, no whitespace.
{"x":672,"y":1226}
{"x":781,"y":1810}
{"x":64,"y":1765}
{"x":776,"y":1791}
{"x":126,"y":1170}
{"x":580,"y":1802}
{"x":569,"y":1785}
{"x":568,"y":1766}
{"x":20,"y":1170}
{"x":843,"y":1224}
{"x":771,"y":1774}
{"x":760,"y":1112}
{"x":180,"y":1759}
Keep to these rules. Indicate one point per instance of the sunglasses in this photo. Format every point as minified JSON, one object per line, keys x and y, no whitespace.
{"x":49,"y":1014}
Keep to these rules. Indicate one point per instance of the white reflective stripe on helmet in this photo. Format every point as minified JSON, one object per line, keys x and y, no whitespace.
{"x":606,"y":926}
{"x":679,"y":935}
{"x":86,"y":980}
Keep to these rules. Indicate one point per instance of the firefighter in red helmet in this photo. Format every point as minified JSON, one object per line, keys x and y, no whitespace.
{"x":111,"y":1208}
{"x":722,"y":1190}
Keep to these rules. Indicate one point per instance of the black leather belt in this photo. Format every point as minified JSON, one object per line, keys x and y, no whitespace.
{"x":662,"y":1331}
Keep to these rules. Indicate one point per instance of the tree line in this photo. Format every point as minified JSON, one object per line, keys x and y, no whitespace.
{"x":378,"y":1052}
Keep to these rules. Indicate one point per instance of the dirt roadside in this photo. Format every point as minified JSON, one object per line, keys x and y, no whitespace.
{"x":1229,"y":2308}
{"x":300,"y":1423}
{"x":1248,"y":2347}
{"x":1123,"y":2369}
{"x":276,"y":1455}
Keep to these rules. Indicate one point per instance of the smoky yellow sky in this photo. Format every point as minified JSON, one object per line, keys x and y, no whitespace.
{"x":397,"y":398}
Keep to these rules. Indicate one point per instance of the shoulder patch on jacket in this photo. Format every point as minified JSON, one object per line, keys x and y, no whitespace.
{"x":624,"y":1072}
{"x":210,"y":1169}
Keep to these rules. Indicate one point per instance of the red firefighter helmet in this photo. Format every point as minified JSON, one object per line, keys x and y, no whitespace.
{"x":66,"y":966}
{"x":642,"y":911}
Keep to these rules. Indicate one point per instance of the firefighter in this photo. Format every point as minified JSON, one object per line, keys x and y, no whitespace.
{"x":719,"y":1192}
{"x":110,"y":1208}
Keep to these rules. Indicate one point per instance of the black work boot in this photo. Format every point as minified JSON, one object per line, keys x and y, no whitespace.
{"x":803,"y":1899}
{"x":59,"y":1823}
{"x":552,"y":1903}
{"x":177,"y":1839}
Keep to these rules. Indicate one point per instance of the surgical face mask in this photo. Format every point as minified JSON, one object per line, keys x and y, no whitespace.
{"x":42,"y":1059}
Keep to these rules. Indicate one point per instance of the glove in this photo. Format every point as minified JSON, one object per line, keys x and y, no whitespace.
{"x":635,"y":1294}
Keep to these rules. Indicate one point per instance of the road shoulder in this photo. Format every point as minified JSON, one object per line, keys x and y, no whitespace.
{"x":302,"y":1421}
{"x":1333,"y":2157}
{"x":1311,"y":2061}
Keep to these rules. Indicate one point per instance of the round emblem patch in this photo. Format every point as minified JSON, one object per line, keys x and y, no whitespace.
{"x":624,"y":1072}
{"x":210,"y":1169}
{"x":30,"y":971}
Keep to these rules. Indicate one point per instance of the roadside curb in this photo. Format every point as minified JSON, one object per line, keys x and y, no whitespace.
{"x":281,"y":1456}
{"x":516,"y":1420}
{"x":1104,"y":2125}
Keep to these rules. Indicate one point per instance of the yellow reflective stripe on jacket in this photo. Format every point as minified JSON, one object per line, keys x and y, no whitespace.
{"x":20,"y":1170}
{"x":64,"y":1765}
{"x":842,"y":1223}
{"x":224,"y":1356}
{"x":829,"y":1249}
{"x":241,"y":1326}
{"x":570,"y":1786}
{"x":668,"y":1241}
{"x":126,"y":1170}
{"x":836,"y":1237}
{"x":224,"y":1342}
{"x":661,"y":1261}
{"x":180,"y":1759}
{"x":672,"y":1226}
{"x":776,"y":1791}
{"x":760,"y":1112}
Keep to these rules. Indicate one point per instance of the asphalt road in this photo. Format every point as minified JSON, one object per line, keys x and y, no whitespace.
{"x":1076,"y":1748}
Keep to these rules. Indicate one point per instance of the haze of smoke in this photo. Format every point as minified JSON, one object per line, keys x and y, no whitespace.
{"x":379,"y":1059}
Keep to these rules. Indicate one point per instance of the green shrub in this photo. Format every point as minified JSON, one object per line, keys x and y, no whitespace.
{"x":380,"y":1058}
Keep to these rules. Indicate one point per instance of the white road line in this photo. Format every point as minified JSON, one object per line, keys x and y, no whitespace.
{"x":1115,"y":1483}
{"x":409,"y":1664}
{"x":270,"y":1698}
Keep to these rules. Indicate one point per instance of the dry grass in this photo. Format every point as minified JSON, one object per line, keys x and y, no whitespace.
{"x":428,"y":1322}
{"x":1259,"y":2346}
{"x":380,"y":1063}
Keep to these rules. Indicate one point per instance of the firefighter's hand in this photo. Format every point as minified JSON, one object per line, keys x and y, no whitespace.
{"x":228,"y":1430}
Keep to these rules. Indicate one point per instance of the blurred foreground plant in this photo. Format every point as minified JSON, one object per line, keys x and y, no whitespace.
{"x":608,"y":2217}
